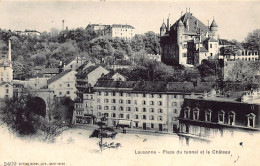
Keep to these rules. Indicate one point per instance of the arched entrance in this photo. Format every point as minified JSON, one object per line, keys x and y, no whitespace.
{"x":37,"y":105}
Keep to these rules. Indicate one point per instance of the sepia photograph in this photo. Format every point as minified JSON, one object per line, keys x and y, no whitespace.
{"x":129,"y":83}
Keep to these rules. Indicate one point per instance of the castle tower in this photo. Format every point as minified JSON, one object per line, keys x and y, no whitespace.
{"x":180,"y":31}
{"x":162,"y":29}
{"x":214,"y":28}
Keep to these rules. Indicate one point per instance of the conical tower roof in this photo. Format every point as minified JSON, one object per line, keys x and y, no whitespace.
{"x":163,"y":26}
{"x":180,"y":23}
{"x":213,"y":24}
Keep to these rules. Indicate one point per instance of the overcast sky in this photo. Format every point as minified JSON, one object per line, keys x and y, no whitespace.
{"x":235,"y":19}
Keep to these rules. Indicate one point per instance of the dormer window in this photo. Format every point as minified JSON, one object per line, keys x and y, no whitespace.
{"x":221,"y":116}
{"x":187,"y":112}
{"x":251,"y":120}
{"x":231,"y":118}
{"x":208,"y":115}
{"x":196,"y":114}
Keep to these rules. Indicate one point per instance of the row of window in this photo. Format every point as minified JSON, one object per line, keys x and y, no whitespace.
{"x":221,"y":116}
{"x":129,"y":94}
{"x":67,"y":92}
{"x":249,"y":53}
{"x":143,"y":117}
{"x":159,"y":110}
{"x":159,"y":103}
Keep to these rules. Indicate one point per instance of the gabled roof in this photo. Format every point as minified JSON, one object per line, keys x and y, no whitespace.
{"x":55,"y":78}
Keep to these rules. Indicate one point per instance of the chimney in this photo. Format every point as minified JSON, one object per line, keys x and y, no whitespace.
{"x":62,"y":25}
{"x":10,"y":51}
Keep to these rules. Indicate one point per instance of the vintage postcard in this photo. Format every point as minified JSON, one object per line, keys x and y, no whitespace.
{"x":90,"y":83}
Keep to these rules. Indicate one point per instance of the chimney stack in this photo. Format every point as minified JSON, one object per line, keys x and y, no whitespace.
{"x":10,"y":51}
{"x":62,"y":25}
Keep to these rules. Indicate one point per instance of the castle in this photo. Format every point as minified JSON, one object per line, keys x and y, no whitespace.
{"x":188,"y":41}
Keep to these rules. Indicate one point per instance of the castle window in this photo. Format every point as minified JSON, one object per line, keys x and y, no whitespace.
{"x":160,"y":103}
{"x":251,"y":120}
{"x":196,"y":114}
{"x":187,"y":112}
{"x":113,"y":100}
{"x":208,"y":115}
{"x":106,"y":108}
{"x":144,"y":117}
{"x":151,"y":103}
{"x":106,"y":94}
{"x":221,"y":116}
{"x":105,"y":100}
{"x":151,"y":109}
{"x":151,"y":117}
{"x":136,"y":117}
{"x":136,"y":109}
{"x":128,"y":108}
{"x":128,"y":101}
{"x":121,"y":101}
{"x":99,"y":107}
{"x":231,"y":118}
{"x":184,"y":55}
{"x":113,"y":93}
{"x":121,"y":108}
{"x":113,"y":108}
{"x":210,"y":45}
{"x":144,"y":102}
{"x":144,"y":109}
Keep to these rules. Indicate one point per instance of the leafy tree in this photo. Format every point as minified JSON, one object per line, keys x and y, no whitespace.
{"x":253,"y":40}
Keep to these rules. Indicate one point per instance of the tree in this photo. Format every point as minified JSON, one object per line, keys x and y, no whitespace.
{"x":253,"y":40}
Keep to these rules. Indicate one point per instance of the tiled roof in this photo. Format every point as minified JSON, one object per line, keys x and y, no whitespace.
{"x":149,"y":86}
{"x":202,"y":49}
{"x":55,"y":78}
{"x":50,"y":71}
{"x":193,"y":27}
{"x":122,"y":26}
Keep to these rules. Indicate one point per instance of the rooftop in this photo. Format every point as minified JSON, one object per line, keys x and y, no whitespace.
{"x":55,"y":78}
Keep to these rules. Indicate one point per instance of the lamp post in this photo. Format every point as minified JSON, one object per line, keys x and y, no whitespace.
{"x":100,"y":124}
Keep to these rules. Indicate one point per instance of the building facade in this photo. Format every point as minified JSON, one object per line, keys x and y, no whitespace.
{"x":63,"y":84}
{"x":188,"y":41}
{"x":151,"y":106}
{"x":209,"y":118}
{"x":122,"y":31}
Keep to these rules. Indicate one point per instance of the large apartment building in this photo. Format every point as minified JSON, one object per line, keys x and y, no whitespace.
{"x":141,"y":105}
{"x":122,"y":31}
